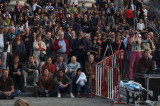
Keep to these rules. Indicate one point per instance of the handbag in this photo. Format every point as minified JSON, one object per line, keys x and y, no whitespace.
{"x":42,"y":56}
{"x":120,"y":55}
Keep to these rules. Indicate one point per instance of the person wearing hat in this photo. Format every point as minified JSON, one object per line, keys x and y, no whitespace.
{"x":5,"y":42}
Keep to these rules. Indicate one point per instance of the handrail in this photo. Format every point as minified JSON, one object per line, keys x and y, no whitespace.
{"x":109,"y":56}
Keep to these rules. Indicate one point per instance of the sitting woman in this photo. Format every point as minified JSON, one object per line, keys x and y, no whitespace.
{"x":63,"y":84}
{"x":81,"y":82}
{"x":15,"y":72}
{"x":50,"y":66}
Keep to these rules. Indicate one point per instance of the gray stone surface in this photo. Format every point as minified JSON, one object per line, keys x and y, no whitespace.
{"x":53,"y":101}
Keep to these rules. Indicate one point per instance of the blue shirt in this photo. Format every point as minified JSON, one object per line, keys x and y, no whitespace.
{"x":125,"y":41}
{"x":63,"y":48}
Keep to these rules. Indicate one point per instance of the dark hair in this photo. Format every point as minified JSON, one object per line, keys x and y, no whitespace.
{"x":61,"y":70}
{"x":79,"y":69}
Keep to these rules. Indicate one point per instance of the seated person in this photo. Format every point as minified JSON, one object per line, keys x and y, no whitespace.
{"x":50,"y":66}
{"x":15,"y":72}
{"x":145,"y":64}
{"x":46,"y":84}
{"x":81,"y":82}
{"x":72,"y":67}
{"x":7,"y":86}
{"x":30,"y":69}
{"x":156,"y":57}
{"x":63,"y":84}
{"x":60,"y":64}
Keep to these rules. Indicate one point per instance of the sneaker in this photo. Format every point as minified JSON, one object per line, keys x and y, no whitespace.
{"x":79,"y":96}
{"x":25,"y":84}
{"x":71,"y":95}
{"x":34,"y":84}
{"x":59,"y":95}
{"x":89,"y":95}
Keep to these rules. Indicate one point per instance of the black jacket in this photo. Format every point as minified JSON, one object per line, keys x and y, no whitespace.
{"x":7,"y":38}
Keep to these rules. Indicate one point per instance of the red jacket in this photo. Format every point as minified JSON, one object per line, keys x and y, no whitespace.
{"x":50,"y":67}
{"x":128,"y":14}
{"x":55,"y":47}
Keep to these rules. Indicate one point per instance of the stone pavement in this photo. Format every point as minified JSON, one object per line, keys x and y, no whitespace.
{"x":53,"y":101}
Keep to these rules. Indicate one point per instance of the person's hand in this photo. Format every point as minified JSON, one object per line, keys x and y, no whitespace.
{"x":88,"y":53}
{"x":60,"y":46}
{"x":26,"y":39}
{"x":70,"y":50}
{"x":47,"y":45}
{"x":7,"y":43}
{"x":80,"y":47}
{"x":9,"y":93}
{"x":46,"y":91}
{"x":31,"y":69}
{"x":18,"y":73}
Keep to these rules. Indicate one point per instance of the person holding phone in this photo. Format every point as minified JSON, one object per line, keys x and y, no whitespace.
{"x":135,"y":52}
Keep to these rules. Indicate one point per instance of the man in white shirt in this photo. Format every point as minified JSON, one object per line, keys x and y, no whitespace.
{"x":35,"y":5}
{"x":50,"y":8}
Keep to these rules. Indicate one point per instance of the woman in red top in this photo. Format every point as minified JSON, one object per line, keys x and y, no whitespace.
{"x":49,"y":66}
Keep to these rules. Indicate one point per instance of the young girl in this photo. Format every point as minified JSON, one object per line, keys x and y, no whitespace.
{"x":81,"y":83}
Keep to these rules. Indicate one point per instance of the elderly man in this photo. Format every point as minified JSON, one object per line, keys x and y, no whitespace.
{"x":61,"y":47}
{"x":7,"y":87}
{"x":73,"y":66}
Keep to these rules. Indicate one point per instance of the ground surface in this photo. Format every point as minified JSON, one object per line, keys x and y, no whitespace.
{"x":42,"y":101}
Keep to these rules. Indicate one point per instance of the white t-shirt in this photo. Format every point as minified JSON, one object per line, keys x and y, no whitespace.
{"x":1,"y":40}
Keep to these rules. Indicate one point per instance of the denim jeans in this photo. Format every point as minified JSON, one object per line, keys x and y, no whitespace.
{"x":13,"y":94}
{"x":85,"y":86}
{"x":67,"y":89}
{"x":50,"y":93}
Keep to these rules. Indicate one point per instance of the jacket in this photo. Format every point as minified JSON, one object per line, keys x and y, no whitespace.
{"x":65,"y":80}
{"x":55,"y":47}
{"x":156,"y":57}
{"x":43,"y":83}
{"x":7,"y":38}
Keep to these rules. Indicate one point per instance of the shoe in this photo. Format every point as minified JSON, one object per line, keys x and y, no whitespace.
{"x":25,"y":84}
{"x":59,"y":95}
{"x":71,"y":95}
{"x":89,"y":95}
{"x":79,"y":96}
{"x":34,"y":84}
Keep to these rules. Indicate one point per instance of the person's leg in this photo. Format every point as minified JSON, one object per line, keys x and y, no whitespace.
{"x":2,"y":95}
{"x":3,"y":61}
{"x":132,"y":60}
{"x":35,"y":74}
{"x":41,"y":92}
{"x":25,"y":77}
{"x":87,"y":88}
{"x":15,"y":93}
{"x":53,"y":91}
{"x":79,"y":88}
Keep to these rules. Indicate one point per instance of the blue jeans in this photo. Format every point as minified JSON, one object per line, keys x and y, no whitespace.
{"x":85,"y":86}
{"x":50,"y":93}
{"x":13,"y":94}
{"x":67,"y":89}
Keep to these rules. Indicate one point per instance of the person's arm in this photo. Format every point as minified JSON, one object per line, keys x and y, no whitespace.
{"x":50,"y":84}
{"x":40,"y":83}
{"x":140,"y":66}
{"x":156,"y":56}
{"x":87,"y":69}
{"x":68,"y":81}
{"x":69,"y":68}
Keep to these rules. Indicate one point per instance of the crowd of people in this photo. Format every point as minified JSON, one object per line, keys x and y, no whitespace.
{"x":58,"y":43}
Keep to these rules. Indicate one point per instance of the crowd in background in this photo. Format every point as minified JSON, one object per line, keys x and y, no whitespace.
{"x":58,"y":43}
